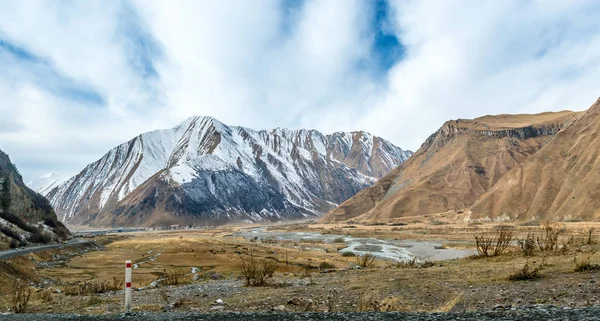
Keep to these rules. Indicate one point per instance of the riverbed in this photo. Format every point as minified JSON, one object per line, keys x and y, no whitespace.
{"x":393,"y":250}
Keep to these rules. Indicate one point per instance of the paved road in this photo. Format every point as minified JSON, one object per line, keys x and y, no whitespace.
{"x":521,"y":313}
{"x":16,"y":252}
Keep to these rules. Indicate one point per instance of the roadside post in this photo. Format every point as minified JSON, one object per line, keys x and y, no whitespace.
{"x":127,"y":286}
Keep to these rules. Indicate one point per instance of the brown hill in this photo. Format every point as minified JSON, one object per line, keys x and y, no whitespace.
{"x":560,"y":182}
{"x":454,"y":167}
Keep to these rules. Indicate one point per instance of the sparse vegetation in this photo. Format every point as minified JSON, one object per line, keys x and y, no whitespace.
{"x":527,"y":244}
{"x":526,"y":273}
{"x":547,"y":239}
{"x":255,"y":272}
{"x":93,"y":287}
{"x":589,"y":233}
{"x":176,"y":276}
{"x":44,"y":295}
{"x":19,"y":295}
{"x":370,"y":303}
{"x":366,"y":260}
{"x":495,"y":244}
{"x":585,"y":265}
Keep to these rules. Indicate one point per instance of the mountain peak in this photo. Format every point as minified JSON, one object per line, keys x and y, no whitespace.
{"x":213,"y":165}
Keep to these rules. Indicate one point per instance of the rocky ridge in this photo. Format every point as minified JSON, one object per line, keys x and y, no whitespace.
{"x":25,"y":216}
{"x":204,"y":171}
{"x":455,"y":166}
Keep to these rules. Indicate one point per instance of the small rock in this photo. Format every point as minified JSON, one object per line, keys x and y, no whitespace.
{"x":219,"y":301}
{"x":218,"y":308}
{"x":58,"y":291}
{"x":295,"y":301}
{"x":279,"y":308}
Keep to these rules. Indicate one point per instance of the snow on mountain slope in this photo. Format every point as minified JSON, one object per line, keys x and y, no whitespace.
{"x":292,"y":172}
{"x":46,"y":183}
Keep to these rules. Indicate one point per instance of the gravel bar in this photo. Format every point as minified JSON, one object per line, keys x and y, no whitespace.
{"x":538,"y":312}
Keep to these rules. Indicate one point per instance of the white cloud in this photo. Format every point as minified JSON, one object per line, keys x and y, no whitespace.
{"x":261,"y":65}
{"x":471,"y":58}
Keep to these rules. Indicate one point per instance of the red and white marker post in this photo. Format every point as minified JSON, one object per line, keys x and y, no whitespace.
{"x":127,"y":286}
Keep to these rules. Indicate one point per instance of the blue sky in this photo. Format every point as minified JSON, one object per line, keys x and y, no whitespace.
{"x":79,"y":77}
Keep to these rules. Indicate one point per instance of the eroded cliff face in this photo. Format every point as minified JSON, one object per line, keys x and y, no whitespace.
{"x":454,"y":167}
{"x":560,"y":182}
{"x":25,"y":216}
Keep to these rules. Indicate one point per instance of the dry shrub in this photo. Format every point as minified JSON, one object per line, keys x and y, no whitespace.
{"x":527,"y":244}
{"x":366,"y":260}
{"x":589,"y":235}
{"x":44,"y":295}
{"x":495,"y":244}
{"x":176,"y":277}
{"x":256,"y":273}
{"x":526,"y":273}
{"x":93,"y":287}
{"x":547,"y":240}
{"x":585,"y":265}
{"x":306,"y":271}
{"x":19,"y":296}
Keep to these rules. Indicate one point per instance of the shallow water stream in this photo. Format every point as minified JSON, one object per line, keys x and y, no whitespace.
{"x":400,"y":251}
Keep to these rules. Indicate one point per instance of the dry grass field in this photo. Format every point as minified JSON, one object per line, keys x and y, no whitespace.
{"x":194,"y":268}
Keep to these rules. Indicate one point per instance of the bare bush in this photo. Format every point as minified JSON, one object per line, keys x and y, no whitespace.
{"x":547,"y":240}
{"x":176,"y":277}
{"x":526,"y":273}
{"x":19,"y":296}
{"x":589,"y":235}
{"x":366,"y":260}
{"x":256,"y":273}
{"x":495,"y":244}
{"x":527,"y":244}
{"x":93,"y":287}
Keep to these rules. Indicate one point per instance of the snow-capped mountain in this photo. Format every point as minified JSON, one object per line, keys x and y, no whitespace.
{"x":46,"y":183}
{"x":206,"y":171}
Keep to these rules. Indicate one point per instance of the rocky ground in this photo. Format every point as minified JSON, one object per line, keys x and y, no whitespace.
{"x":535,"y":312}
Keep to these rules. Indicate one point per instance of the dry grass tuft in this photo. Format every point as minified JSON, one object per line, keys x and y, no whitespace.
{"x":19,"y":295}
{"x":585,"y":265}
{"x":93,"y":287}
{"x":526,"y":273}
{"x":176,"y":277}
{"x":450,"y":304}
{"x":370,"y":303}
